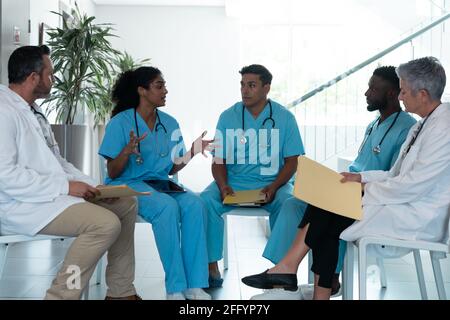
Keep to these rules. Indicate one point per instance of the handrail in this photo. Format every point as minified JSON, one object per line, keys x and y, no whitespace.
{"x":367,"y":62}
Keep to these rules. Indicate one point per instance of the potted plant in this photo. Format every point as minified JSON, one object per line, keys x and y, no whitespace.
{"x":122,"y":62}
{"x":83,"y":57}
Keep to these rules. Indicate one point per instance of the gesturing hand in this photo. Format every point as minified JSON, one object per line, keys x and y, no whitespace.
{"x":200,"y":145}
{"x":131,"y":147}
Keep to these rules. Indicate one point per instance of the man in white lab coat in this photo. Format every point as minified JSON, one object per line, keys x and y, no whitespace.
{"x":42,"y":193}
{"x":409,"y":202}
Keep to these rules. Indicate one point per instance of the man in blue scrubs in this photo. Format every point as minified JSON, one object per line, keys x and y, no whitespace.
{"x":378,"y":151}
{"x":259,"y":145}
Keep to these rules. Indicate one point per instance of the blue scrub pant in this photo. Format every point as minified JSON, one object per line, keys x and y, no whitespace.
{"x":213,"y":202}
{"x":178,"y":222}
{"x":285,"y":230}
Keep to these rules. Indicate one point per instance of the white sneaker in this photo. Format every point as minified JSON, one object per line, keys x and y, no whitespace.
{"x":308,"y":291}
{"x":196,"y":294}
{"x":278,"y":294}
{"x":175,"y":296}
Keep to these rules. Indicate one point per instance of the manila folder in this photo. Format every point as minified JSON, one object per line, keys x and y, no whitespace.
{"x":246,"y":197}
{"x":322,"y":188}
{"x":118,"y":192}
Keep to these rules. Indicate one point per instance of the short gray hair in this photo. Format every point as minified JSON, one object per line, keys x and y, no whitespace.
{"x":424,"y":73}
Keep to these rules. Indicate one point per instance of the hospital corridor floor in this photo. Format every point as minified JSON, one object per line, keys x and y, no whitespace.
{"x":30,"y":267}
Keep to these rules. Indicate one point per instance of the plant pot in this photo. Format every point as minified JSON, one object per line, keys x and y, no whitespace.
{"x":75,"y":145}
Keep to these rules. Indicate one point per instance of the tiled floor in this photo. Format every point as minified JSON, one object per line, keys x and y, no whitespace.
{"x":30,"y":268}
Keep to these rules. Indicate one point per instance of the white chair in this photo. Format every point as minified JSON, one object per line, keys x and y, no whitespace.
{"x":437,"y":251}
{"x":8,"y":240}
{"x":343,"y":163}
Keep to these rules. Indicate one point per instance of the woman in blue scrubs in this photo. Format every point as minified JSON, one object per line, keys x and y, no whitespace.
{"x":143,"y":143}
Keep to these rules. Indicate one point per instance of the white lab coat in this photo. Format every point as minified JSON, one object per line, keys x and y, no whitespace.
{"x":411,"y":201}
{"x":33,"y":180}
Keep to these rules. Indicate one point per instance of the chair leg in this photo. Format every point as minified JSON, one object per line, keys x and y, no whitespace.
{"x":100,"y":270}
{"x":3,"y":253}
{"x":362,"y":270}
{"x":86,"y":292}
{"x":420,"y":276}
{"x":347,"y":273}
{"x":310,"y":273}
{"x":380,"y":265}
{"x":225,"y":242}
{"x":435,"y":256}
{"x":267,"y":230}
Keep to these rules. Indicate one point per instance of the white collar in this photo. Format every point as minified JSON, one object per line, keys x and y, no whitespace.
{"x":21,"y":103}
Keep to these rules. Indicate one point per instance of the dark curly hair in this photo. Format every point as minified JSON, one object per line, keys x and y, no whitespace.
{"x":125,"y":91}
{"x":388,"y":74}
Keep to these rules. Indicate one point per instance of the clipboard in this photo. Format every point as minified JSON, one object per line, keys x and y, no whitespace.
{"x":118,"y":192}
{"x":246,"y":198}
{"x":322,"y":187}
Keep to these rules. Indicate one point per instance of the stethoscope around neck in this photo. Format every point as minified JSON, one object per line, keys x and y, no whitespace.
{"x":377,"y":149}
{"x":158,"y":125}
{"x":243,"y":139}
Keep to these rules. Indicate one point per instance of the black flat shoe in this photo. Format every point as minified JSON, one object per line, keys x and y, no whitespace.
{"x":272,"y":280}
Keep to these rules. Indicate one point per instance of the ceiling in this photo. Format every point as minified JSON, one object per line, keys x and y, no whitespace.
{"x":212,"y":3}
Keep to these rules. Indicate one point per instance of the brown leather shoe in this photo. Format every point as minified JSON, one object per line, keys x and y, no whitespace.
{"x":133,"y":297}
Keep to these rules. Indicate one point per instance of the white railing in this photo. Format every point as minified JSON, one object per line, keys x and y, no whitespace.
{"x":333,"y":116}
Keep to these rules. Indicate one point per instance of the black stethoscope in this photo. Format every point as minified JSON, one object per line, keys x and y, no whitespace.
{"x":377,"y":150}
{"x":159,"y":124}
{"x":50,"y":139}
{"x":39,"y":113}
{"x":414,"y":138}
{"x":243,"y":139}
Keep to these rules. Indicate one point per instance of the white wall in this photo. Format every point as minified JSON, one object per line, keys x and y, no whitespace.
{"x":197,"y":49}
{"x":40,"y":12}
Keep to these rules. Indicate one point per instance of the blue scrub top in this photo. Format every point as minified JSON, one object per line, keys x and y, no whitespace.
{"x":158,"y":149}
{"x":367,"y":160}
{"x":258,"y":162}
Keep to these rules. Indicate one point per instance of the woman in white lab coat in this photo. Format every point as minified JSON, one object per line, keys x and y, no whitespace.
{"x":409,"y":202}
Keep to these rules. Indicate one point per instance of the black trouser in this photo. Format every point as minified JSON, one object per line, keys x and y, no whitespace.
{"x":323,"y":239}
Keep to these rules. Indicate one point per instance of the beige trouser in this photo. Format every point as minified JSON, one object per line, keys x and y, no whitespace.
{"x":98,"y":228}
